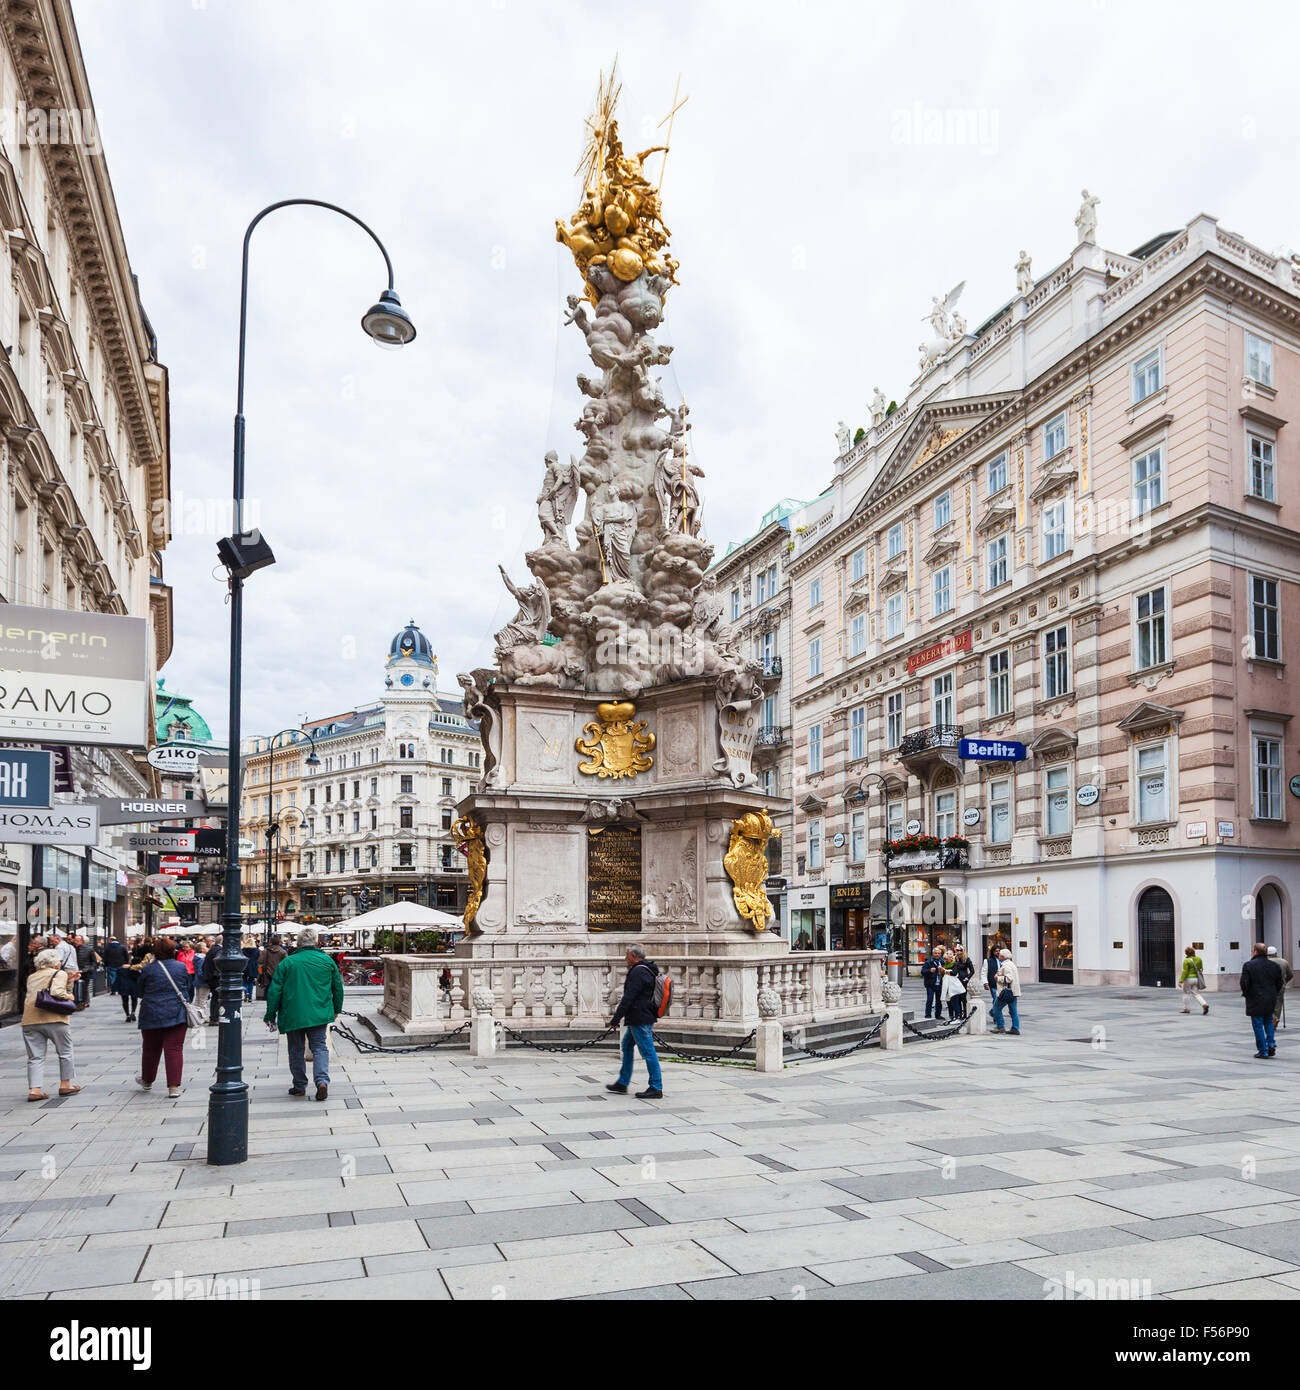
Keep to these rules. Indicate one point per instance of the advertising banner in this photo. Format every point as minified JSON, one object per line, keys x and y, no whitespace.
{"x":78,"y":677}
{"x":61,"y":825}
{"x":182,"y":841}
{"x":121,"y":811}
{"x":26,"y":777}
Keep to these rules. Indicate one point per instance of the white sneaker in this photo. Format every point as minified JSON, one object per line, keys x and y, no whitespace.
{"x":143,"y":1084}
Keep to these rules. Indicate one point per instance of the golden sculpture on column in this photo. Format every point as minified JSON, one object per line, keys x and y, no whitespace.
{"x":746,"y":864}
{"x":473,"y":845}
{"x":616,"y":746}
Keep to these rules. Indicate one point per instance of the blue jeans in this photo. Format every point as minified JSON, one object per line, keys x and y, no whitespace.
{"x":112,"y":977}
{"x":1014,"y":1006}
{"x":932,"y":998}
{"x":320,"y":1057}
{"x":1263,"y":1032}
{"x":641,"y":1036}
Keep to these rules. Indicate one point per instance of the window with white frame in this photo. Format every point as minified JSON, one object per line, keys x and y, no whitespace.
{"x":942,"y":590}
{"x":814,"y":844}
{"x":1148,"y":479}
{"x":893,"y":615}
{"x":1152,"y":644}
{"x":1054,"y":537}
{"x":767,"y":780}
{"x":1153,"y":782}
{"x":858,"y":837}
{"x":997,"y":562}
{"x":815,"y":748}
{"x":1056,"y":796}
{"x":945,"y":813}
{"x":893,"y":720}
{"x":894,"y":811}
{"x":769,"y":712}
{"x":761,"y":595}
{"x":942,"y":510}
{"x":894,"y":541}
{"x":815,"y":591}
{"x":1268,"y":777}
{"x":771,"y":581}
{"x":943,"y":700}
{"x":997,"y":474}
{"x":1000,"y":811}
{"x":735,"y":605}
{"x":1056,"y":662}
{"x":1146,"y":376}
{"x":858,"y":564}
{"x":815,"y":657}
{"x":858,"y":732}
{"x":857,"y":634}
{"x":1054,"y":436}
{"x":1266,"y":642}
{"x":1259,"y":359}
{"x":999,"y":668}
{"x":1263,"y":483}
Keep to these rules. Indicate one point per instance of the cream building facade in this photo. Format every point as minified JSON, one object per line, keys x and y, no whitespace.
{"x":84,"y":428}
{"x":1075,"y":545}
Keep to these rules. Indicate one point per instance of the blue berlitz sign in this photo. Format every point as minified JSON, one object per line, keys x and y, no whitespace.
{"x":26,"y":777}
{"x":998,"y":750}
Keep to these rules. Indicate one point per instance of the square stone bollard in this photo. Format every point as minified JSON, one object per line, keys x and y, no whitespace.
{"x":769,"y":1046}
{"x":483,"y":1027}
{"x":977,"y":1010}
{"x":891,"y":1035}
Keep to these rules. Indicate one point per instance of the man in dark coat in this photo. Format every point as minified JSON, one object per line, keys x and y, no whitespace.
{"x":637,"y":1010}
{"x":932,"y":979}
{"x":1261,"y":983}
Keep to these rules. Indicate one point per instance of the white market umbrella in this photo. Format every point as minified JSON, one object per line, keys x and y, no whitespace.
{"x":404,"y":914}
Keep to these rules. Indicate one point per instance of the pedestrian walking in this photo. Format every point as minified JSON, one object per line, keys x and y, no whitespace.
{"x":212,"y":978}
{"x":185,"y":957}
{"x":67,"y":951}
{"x":1287,"y":973}
{"x":1192,"y":980}
{"x":200,"y":956}
{"x":1261,"y":983}
{"x":636,"y":1010}
{"x":932,"y":979}
{"x":1007,"y":982}
{"x":963,"y":971}
{"x":305,"y":996}
{"x":268,"y":958}
{"x":163,"y":1020}
{"x":116,"y":956}
{"x":87,"y":963}
{"x":44,"y":1023}
{"x":129,"y":977}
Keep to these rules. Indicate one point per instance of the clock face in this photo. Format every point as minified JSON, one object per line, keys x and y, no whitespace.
{"x":408,"y":679}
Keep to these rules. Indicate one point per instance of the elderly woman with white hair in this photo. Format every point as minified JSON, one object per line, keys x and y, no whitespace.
{"x":46,"y":1009}
{"x":1008,"y":995}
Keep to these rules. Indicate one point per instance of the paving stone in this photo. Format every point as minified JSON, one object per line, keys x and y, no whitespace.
{"x":966,"y":1178}
{"x":982,"y":1282}
{"x":567,"y":1276}
{"x":791,"y":1284}
{"x":1162,"y":1266}
{"x":487,"y":1228}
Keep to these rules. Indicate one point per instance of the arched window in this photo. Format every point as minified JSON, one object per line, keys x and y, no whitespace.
{"x":1155,"y":927}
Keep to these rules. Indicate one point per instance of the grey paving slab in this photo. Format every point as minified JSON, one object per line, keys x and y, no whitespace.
{"x":1280,"y":1239}
{"x":983,"y":1282}
{"x":486,"y":1228}
{"x":791,"y":1284}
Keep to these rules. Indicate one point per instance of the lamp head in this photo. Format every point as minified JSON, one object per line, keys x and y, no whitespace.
{"x":388,"y":323}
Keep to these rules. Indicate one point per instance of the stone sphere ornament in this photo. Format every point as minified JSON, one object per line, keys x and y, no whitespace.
{"x":769,"y":1004}
{"x":890,"y":992}
{"x":482,"y":1000}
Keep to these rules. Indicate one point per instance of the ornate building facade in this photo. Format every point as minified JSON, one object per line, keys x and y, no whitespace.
{"x":1050,"y":605}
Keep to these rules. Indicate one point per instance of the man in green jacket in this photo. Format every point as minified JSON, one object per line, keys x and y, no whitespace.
{"x":305,"y":996}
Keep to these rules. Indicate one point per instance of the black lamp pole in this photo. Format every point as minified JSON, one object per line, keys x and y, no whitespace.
{"x":273,"y":816}
{"x":390,"y":326}
{"x":880,"y":780}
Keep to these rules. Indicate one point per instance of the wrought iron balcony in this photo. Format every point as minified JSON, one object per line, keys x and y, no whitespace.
{"x":771,"y":736}
{"x":772,"y":666}
{"x":936,"y":736}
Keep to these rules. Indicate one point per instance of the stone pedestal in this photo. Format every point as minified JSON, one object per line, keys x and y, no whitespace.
{"x":977,"y":1010}
{"x":891,"y":1035}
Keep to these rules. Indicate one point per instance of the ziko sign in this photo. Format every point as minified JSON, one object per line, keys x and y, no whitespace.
{"x":174,"y":757}
{"x":79,"y":677}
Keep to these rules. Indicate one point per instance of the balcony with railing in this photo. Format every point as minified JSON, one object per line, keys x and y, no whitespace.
{"x":935,"y":737}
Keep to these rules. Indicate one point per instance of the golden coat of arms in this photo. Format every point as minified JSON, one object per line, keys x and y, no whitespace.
{"x":473,"y":845}
{"x":746,"y":864}
{"x":616,"y":746}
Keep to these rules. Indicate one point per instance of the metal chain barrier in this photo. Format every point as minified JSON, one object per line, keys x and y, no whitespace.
{"x":839,"y":1051}
{"x":688,"y":1057}
{"x":569,"y":1047}
{"x":363,"y":1046}
{"x":935,"y":1034}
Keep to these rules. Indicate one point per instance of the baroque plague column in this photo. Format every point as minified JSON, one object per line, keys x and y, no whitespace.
{"x":618,"y":803}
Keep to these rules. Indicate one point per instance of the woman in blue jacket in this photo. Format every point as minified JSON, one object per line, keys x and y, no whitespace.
{"x":163,"y":1019}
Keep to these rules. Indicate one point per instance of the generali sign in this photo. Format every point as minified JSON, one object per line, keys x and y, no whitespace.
{"x":76,"y":677}
{"x":960,"y":642}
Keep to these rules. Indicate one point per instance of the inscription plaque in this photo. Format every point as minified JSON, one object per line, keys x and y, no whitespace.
{"x":614,"y":878}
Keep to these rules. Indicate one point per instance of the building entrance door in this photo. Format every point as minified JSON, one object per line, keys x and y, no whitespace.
{"x":1056,"y":948}
{"x":1155,"y":912}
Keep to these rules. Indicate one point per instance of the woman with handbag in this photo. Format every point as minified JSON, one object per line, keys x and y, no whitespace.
{"x":164,"y":1018}
{"x":46,"y":1010}
{"x":963,"y":969}
{"x":1192,"y":980}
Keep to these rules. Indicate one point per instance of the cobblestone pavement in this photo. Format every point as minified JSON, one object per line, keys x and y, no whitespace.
{"x":1116,"y":1140}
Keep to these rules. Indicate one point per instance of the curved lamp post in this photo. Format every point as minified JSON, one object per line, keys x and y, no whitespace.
{"x":273,"y":818}
{"x":272,"y":860}
{"x":897,"y":951}
{"x":389,"y":325}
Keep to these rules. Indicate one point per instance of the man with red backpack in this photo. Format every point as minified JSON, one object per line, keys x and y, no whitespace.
{"x":637,"y":1009}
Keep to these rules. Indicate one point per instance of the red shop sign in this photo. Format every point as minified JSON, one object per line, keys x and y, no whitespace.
{"x":949,"y":645}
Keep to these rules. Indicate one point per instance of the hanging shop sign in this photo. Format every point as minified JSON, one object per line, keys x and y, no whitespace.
{"x":913,"y":827}
{"x":971,"y":815}
{"x":59,"y":825}
{"x":209,"y":843}
{"x":997,"y":750}
{"x":174,"y":757}
{"x":115,"y":810}
{"x":1294,"y":784}
{"x":26,"y":777}
{"x":79,"y":676}
{"x":948,"y":647}
{"x":1087,"y":795}
{"x":182,"y":841}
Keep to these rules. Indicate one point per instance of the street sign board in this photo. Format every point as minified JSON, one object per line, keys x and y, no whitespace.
{"x":26,"y":777}
{"x":154,"y":841}
{"x":159,"y":880}
{"x":174,"y":757}
{"x":998,"y":750}
{"x":209,"y":843}
{"x":120,"y":811}
{"x":59,"y":825}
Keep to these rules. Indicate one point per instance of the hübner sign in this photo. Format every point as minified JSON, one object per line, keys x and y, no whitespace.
{"x":61,"y":825}
{"x":82,"y":677}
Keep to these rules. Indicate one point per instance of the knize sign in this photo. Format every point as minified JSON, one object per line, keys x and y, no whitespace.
{"x":74,"y":677}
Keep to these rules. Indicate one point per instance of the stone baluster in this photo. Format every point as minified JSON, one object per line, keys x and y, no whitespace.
{"x":457,"y":1013}
{"x":517,"y":976}
{"x":483,"y":1027}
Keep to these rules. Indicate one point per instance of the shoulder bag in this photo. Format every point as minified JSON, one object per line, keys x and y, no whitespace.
{"x":194,"y":1015}
{"x":50,"y":1002}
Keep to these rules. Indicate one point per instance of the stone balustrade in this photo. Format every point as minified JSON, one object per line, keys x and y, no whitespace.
{"x":812,"y":987}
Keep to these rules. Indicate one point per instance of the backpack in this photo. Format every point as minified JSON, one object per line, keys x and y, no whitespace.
{"x":663,"y":991}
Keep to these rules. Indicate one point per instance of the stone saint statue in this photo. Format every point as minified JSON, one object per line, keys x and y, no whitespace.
{"x":879,"y":405}
{"x":842,"y":437}
{"x":708,"y":607}
{"x":678,"y":497}
{"x":1086,"y":221}
{"x":615,"y":525}
{"x":530,"y":623}
{"x":558,"y":497}
{"x":1024,"y":276}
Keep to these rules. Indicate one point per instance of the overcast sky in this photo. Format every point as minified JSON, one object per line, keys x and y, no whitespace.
{"x":811,"y":212}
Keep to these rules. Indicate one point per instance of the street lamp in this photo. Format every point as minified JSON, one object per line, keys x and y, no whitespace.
{"x":272,"y":860}
{"x":896,"y":950}
{"x":388,"y":324}
{"x":273,"y":828}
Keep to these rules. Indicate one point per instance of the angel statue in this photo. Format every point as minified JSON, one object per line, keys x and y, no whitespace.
{"x":940,"y":315}
{"x":678,"y":497}
{"x":842,"y":437}
{"x":530,"y":623}
{"x":707,"y":607}
{"x":558,"y":497}
{"x":1086,"y":221}
{"x":615,"y":525}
